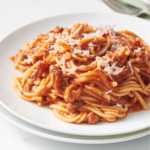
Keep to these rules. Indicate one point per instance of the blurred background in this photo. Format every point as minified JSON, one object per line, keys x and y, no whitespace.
{"x":138,"y":3}
{"x":16,"y":13}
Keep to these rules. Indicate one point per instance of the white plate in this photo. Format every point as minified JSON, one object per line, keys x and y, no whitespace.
{"x":43,"y":116}
{"x":67,"y":137}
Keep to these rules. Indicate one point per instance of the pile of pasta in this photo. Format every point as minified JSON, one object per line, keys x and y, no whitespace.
{"x":85,"y":73}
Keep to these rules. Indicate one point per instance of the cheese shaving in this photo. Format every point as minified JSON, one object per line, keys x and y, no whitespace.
{"x":101,"y":30}
{"x":71,"y":70}
{"x":91,"y":44}
{"x":102,"y":52}
{"x":64,"y":65}
{"x":107,"y":92}
{"x":130,"y":65}
{"x":84,"y":52}
{"x":126,"y":106}
{"x":51,"y":38}
{"x":76,"y":32}
{"x":114,"y":70}
{"x":137,"y":50}
{"x":118,"y":105}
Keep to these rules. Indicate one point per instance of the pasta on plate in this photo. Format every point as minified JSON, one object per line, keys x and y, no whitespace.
{"x":85,"y":73}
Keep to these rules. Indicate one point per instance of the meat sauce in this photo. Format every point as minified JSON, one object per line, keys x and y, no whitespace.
{"x":61,"y":82}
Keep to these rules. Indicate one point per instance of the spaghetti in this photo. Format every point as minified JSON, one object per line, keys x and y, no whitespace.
{"x":85,"y":73}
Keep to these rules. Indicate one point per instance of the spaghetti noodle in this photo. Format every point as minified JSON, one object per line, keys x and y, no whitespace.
{"x":85,"y":73}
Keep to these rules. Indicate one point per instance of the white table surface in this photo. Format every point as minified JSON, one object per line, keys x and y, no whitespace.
{"x":16,"y":13}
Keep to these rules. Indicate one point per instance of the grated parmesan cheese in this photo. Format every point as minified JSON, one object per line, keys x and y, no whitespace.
{"x":51,"y":38}
{"x":76,"y":32}
{"x":107,"y":92}
{"x":114,"y":70}
{"x":137,"y":50}
{"x":85,"y":52}
{"x":118,"y":105}
{"x":101,"y":30}
{"x":70,"y":41}
{"x":91,"y":44}
{"x":77,"y":51}
{"x":67,"y":38}
{"x":93,"y":35}
{"x":64,"y":65}
{"x":101,"y":52}
{"x":52,"y":51}
{"x":111,"y":77}
{"x":130,"y":65}
{"x":72,"y":28}
{"x":57,"y":47}
{"x":126,"y":106}
{"x":109,"y":52}
{"x":108,"y":29}
{"x":71,"y":70}
{"x":116,"y":47}
{"x":37,"y":47}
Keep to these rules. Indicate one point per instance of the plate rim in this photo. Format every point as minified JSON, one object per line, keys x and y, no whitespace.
{"x":53,"y":128}
{"x":35,"y":131}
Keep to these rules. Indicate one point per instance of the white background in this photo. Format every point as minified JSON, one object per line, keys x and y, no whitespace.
{"x":16,"y":13}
